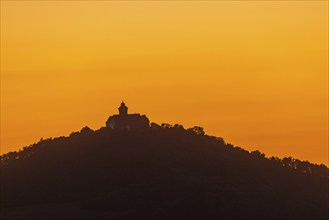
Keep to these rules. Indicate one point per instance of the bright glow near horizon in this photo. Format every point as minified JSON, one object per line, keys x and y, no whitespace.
{"x":254,"y":73}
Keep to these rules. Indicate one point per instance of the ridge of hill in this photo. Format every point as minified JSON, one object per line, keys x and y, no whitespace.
{"x":164,"y":172}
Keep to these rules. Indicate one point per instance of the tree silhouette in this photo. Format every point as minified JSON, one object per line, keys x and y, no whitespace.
{"x":164,"y":172}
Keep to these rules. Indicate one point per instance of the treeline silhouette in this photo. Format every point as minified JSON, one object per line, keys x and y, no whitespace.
{"x":164,"y":172}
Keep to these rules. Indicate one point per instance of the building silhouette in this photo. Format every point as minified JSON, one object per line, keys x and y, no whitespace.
{"x":125,"y":121}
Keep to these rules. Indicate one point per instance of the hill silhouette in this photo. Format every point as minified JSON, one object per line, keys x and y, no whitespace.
{"x":163,"y":172}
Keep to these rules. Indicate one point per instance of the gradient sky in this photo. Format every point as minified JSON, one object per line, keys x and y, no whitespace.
{"x":254,"y":72}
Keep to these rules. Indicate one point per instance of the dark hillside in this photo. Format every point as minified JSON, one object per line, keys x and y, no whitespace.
{"x":164,"y":172}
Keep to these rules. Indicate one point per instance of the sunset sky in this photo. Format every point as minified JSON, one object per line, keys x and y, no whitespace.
{"x":252,"y":72}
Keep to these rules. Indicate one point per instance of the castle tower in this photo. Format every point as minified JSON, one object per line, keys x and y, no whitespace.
{"x":123,"y":109}
{"x":128,"y":122}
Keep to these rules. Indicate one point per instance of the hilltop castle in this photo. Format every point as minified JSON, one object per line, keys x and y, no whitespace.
{"x":125,"y":121}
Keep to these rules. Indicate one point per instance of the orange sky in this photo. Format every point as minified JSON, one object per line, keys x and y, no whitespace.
{"x":254,"y":72}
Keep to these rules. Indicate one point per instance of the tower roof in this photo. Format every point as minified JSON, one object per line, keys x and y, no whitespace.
{"x":123,"y":109}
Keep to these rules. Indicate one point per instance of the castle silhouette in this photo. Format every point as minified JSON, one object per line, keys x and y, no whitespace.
{"x":125,"y":121}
